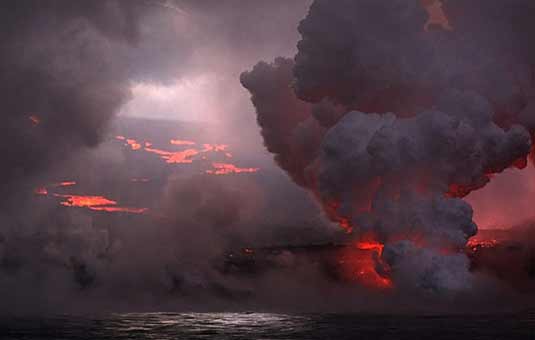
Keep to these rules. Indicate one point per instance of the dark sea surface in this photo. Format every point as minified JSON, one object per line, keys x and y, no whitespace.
{"x":253,"y":326}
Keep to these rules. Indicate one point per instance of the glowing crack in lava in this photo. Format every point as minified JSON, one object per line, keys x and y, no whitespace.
{"x":96,"y":203}
{"x":359,"y":262}
{"x":227,"y":168}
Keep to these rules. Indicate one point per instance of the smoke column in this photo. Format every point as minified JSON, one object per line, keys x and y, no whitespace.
{"x":395,"y":113}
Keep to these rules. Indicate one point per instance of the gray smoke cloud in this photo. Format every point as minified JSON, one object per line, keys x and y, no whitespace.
{"x":66,"y":70}
{"x":417,"y":117}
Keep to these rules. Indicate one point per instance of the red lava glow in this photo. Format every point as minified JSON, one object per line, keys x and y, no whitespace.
{"x":176,"y":157}
{"x":35,"y":120}
{"x":85,"y":201}
{"x":41,"y":191}
{"x":65,"y":184}
{"x":436,"y":15}
{"x":120,"y":209}
{"x":181,"y":142}
{"x":475,"y":243}
{"x":133,"y":144}
{"x":375,"y":246}
{"x":359,"y":265}
{"x":214,"y":147}
{"x":188,"y":155}
{"x":97,"y":203}
{"x":227,"y":169}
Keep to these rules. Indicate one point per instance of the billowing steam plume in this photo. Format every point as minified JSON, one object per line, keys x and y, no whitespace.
{"x":390,"y":117}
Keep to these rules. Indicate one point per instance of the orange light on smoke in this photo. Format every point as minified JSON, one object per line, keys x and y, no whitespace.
{"x":436,"y":15}
{"x":359,"y":264}
{"x":227,"y":169}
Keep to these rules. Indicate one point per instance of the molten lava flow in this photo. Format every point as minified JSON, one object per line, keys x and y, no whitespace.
{"x":176,"y":157}
{"x":133,"y":144}
{"x":120,"y":209}
{"x":97,"y":203}
{"x":35,"y":120}
{"x":437,"y":17}
{"x":375,"y":246}
{"x":41,"y":191}
{"x":359,"y":264}
{"x":214,"y":147}
{"x":65,"y":184}
{"x":181,"y":142}
{"x":85,"y":201}
{"x":227,"y":169}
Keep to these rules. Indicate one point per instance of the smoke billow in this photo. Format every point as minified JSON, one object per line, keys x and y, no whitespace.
{"x":66,"y":69}
{"x":403,"y":119}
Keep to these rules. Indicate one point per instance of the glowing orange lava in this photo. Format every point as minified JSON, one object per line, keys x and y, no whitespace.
{"x":133,"y":144}
{"x":181,"y":142}
{"x":120,"y":209}
{"x":475,"y":243}
{"x":359,"y":264}
{"x":65,"y":184}
{"x":41,"y":191}
{"x":175,"y":157}
{"x":97,"y":203}
{"x":214,"y":147}
{"x":85,"y":201}
{"x":227,"y":169}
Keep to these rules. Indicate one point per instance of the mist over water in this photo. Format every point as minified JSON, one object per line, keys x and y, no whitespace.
{"x":264,"y":326}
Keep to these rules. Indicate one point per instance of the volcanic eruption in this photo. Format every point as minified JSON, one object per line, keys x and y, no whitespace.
{"x":391,"y":116}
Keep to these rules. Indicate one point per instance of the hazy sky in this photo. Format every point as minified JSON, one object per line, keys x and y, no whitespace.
{"x":217,"y":41}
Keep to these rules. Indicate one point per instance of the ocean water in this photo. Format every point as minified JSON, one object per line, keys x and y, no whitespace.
{"x":264,"y":326}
